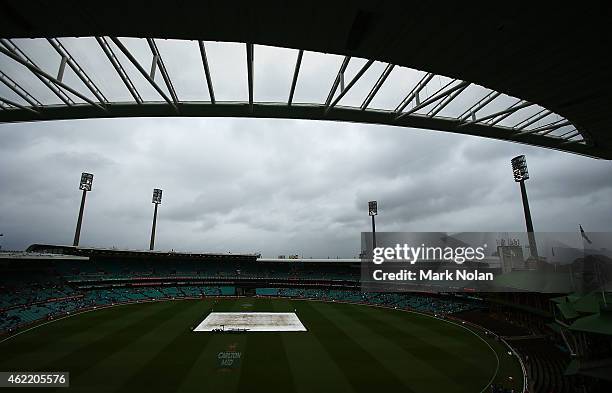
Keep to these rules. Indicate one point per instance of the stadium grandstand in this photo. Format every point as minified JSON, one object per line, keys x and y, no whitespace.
{"x":563,"y":341}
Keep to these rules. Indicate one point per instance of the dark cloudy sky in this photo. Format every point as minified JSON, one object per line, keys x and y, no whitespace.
{"x":275,"y":186}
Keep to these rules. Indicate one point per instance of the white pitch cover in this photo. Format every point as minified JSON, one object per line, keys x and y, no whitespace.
{"x":252,"y":322}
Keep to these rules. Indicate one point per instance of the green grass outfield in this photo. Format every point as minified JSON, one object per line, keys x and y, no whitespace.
{"x":347,"y":348}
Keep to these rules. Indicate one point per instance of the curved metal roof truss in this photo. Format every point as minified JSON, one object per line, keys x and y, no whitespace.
{"x":108,"y":77}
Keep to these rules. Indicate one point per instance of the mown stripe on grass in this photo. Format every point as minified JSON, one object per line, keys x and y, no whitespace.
{"x":387,"y":347}
{"x":430,"y":327}
{"x":266,"y":362}
{"x":312,"y":368}
{"x":87,"y":357}
{"x":204,"y":374}
{"x":55,"y":337}
{"x":167,"y":369}
{"x":463,"y":368}
{"x":124,"y":363}
{"x":425,"y":324}
{"x":362,"y":370}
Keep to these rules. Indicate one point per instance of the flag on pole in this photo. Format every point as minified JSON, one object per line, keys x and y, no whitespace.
{"x":584,"y":235}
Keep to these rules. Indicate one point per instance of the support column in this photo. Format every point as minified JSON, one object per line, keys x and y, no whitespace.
{"x":77,"y":233}
{"x":152,"y":245}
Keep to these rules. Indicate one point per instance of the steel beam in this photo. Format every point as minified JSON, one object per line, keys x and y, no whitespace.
{"x":547,"y":127}
{"x":414,"y":93}
{"x":358,"y":75}
{"x":570,"y":134}
{"x":153,"y":67}
{"x":110,"y":54}
{"x":33,"y":68}
{"x":501,"y":117}
{"x":20,"y":91}
{"x":539,"y":115}
{"x":442,"y":104}
{"x":553,"y":125}
{"x":383,"y":77}
{"x":484,"y":101}
{"x":296,"y":72}
{"x":512,"y":109}
{"x":436,"y":97}
{"x":62,"y":68}
{"x":209,"y":83}
{"x":568,"y":142}
{"x":334,"y":87}
{"x":162,"y":68}
{"x":295,"y":111}
{"x":142,"y":71}
{"x":17,"y":105}
{"x":249,"y":57}
{"x":22,"y":57}
{"x":78,"y":70}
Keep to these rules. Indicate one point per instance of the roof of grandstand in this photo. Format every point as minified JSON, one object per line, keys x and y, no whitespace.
{"x":591,"y":312}
{"x":567,"y":311}
{"x":114,"y":252}
{"x":21,"y":255}
{"x":586,"y":304}
{"x":331,"y":260}
{"x":600,"y":323}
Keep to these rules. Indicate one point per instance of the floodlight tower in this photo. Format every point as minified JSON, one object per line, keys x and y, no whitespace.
{"x":373,"y":211}
{"x":520,"y":172}
{"x":157,"y":196}
{"x":85,"y":185}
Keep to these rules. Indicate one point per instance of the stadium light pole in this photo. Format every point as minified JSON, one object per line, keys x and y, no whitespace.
{"x":85,"y":185}
{"x":157,"y":197}
{"x":520,"y":172}
{"x":373,"y":211}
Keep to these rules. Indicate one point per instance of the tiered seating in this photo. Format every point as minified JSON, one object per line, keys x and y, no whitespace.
{"x":545,"y":365}
{"x":423,"y":303}
{"x":153,"y":293}
{"x":171,"y":292}
{"x":266,"y":292}
{"x":28,"y":313}
{"x":228,"y":291}
{"x":32,"y":292}
{"x":191,"y":291}
{"x":494,"y":322}
{"x":86,"y":271}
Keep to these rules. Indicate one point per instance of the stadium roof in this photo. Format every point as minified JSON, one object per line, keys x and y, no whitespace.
{"x":114,"y":252}
{"x":310,"y":260}
{"x":590,"y":312}
{"x":549,"y":58}
{"x":29,"y":256}
{"x":567,"y":310}
{"x":600,"y":323}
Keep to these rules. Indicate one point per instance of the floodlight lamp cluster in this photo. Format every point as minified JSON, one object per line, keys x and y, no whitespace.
{"x":372,"y":208}
{"x":519,"y":168}
{"x":86,"y":181}
{"x":157,"y":196}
